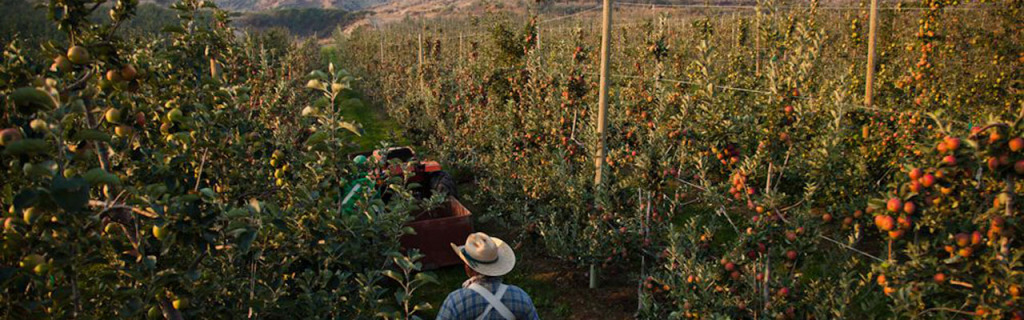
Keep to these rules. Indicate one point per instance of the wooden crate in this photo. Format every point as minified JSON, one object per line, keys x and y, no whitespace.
{"x":436,"y":229}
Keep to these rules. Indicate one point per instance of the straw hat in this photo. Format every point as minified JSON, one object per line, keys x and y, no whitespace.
{"x":486,"y":255}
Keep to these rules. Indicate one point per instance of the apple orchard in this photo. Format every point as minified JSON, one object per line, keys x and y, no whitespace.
{"x":173,"y":175}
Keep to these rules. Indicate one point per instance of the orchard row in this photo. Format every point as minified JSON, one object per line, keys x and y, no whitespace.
{"x":745,"y":178}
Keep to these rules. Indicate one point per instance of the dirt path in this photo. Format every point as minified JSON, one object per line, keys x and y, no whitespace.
{"x":558,"y":289}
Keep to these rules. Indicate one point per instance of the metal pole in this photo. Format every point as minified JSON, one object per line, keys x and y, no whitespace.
{"x":869,"y":82}
{"x":606,"y":29}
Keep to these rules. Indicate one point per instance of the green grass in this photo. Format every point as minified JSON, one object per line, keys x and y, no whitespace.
{"x":377,"y":126}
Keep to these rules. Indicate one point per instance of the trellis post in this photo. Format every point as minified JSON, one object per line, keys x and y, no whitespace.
{"x":602,"y":114}
{"x":757,"y":39}
{"x":419,"y":58}
{"x":869,"y":82}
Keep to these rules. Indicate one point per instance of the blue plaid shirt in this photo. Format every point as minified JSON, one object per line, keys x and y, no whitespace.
{"x":465,"y":304}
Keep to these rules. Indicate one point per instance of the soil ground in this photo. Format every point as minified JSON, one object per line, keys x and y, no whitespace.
{"x":559,"y":289}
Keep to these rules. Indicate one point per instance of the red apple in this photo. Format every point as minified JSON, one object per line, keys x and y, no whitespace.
{"x":916,"y":173}
{"x":993,"y":163}
{"x":909,"y":207}
{"x":884,"y":222}
{"x":791,"y":255}
{"x":9,"y":135}
{"x":952,"y":143}
{"x":976,"y":238}
{"x":949,"y":160}
{"x":962,"y":239}
{"x":928,"y":180}
{"x":894,"y":205}
{"x":904,"y":222}
{"x":896,"y":234}
{"x":783,"y":292}
{"x":1017,"y":144}
{"x":965,"y":252}
{"x":915,"y":186}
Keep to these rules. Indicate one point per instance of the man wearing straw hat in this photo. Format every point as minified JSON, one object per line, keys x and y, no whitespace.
{"x":483,"y":296}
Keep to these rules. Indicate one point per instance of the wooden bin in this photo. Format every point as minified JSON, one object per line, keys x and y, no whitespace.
{"x":436,"y":229}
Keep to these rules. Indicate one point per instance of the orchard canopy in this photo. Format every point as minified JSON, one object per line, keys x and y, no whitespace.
{"x":754,"y":159}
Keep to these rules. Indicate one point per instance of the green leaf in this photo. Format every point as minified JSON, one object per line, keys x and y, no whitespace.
{"x":29,"y":100}
{"x":25,"y":199}
{"x":92,"y":135}
{"x":237,"y":212}
{"x":392,"y":274}
{"x":97,"y":176}
{"x":422,"y":306}
{"x":316,"y":138}
{"x":426,"y":277}
{"x":207,"y":192}
{"x":71,"y":195}
{"x":405,"y":264}
{"x":245,"y":240}
{"x":26,"y":146}
{"x":317,"y":74}
{"x":351,"y":127}
{"x":316,"y":85}
{"x":173,"y":29}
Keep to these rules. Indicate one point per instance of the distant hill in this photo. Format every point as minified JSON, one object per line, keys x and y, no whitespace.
{"x":303,"y":22}
{"x":264,"y":5}
{"x":26,"y":21}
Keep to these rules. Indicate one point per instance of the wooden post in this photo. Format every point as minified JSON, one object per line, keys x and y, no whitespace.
{"x":603,"y":94}
{"x":538,"y":37}
{"x":382,"y":48}
{"x":419,"y":59}
{"x":869,"y":82}
{"x":602,"y":111}
{"x":757,"y":40}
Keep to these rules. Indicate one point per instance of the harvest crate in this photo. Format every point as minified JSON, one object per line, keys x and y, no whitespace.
{"x":436,"y":229}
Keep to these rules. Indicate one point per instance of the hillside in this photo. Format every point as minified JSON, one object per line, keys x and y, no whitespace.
{"x":27,"y":22}
{"x":264,"y":5}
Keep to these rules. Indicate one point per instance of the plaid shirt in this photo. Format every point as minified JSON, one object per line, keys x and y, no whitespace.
{"x":464,"y":304}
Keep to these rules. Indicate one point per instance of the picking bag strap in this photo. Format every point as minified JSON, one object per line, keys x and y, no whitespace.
{"x":494,"y":301}
{"x":499,"y":294}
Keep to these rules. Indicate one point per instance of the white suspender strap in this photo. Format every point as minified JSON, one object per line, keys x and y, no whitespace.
{"x":350,"y":194}
{"x":494,"y":301}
